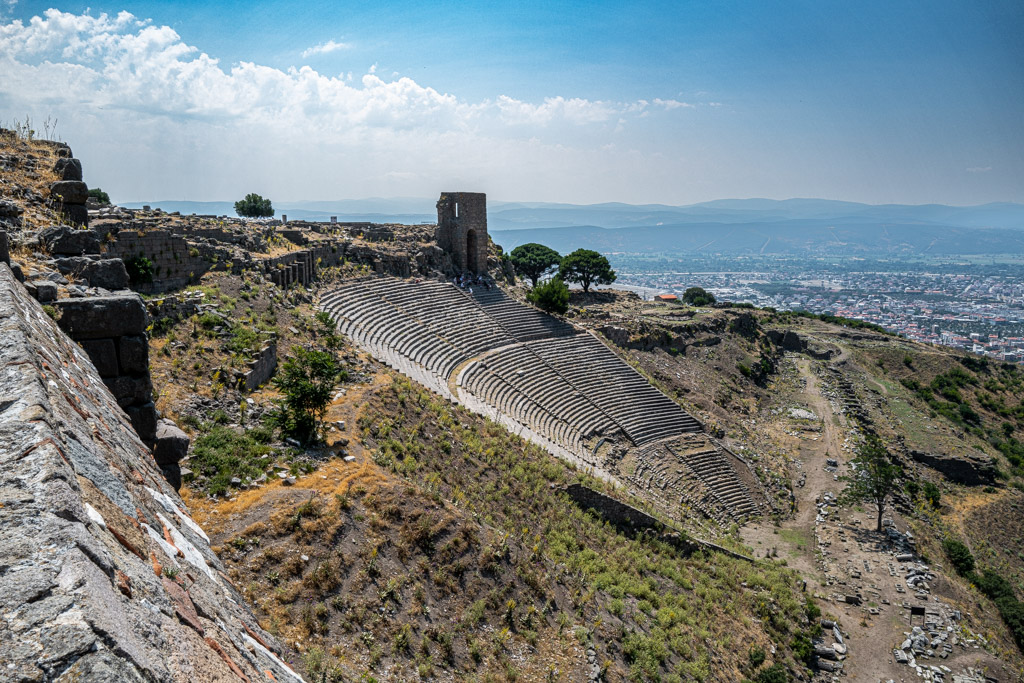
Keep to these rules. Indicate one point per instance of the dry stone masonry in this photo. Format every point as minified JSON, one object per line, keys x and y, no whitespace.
{"x":462,"y":229}
{"x":104,"y":577}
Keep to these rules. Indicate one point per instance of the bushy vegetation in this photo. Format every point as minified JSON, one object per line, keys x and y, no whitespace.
{"x":140,"y":270}
{"x":99,"y":195}
{"x":698,"y":296}
{"x":959,"y":556}
{"x":586,"y":267}
{"x":532,"y":261}
{"x":677,"y":602}
{"x":254,"y":206}
{"x":551,"y":296}
{"x":306,"y":381}
{"x":220,"y":454}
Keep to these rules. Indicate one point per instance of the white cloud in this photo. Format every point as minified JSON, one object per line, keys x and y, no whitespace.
{"x":673,"y":104}
{"x":325,"y":48}
{"x":152,"y":117}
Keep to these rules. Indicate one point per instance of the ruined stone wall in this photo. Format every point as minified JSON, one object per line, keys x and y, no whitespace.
{"x":104,"y":577}
{"x":261,"y":368}
{"x":176,"y":263}
{"x":112,"y":331}
{"x":462,"y":229}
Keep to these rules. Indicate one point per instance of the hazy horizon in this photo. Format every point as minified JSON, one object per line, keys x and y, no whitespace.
{"x":645,"y":102}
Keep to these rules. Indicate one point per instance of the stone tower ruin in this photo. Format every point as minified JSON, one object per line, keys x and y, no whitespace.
{"x":462,"y":229}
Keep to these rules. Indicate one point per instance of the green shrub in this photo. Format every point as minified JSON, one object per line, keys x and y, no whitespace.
{"x":219,"y":454}
{"x":100,"y":196}
{"x":932,"y":493}
{"x":306,"y":380}
{"x":698,"y":296}
{"x":140,"y":270}
{"x":757,"y":656}
{"x":551,"y":296}
{"x":776,"y":673}
{"x":959,"y":555}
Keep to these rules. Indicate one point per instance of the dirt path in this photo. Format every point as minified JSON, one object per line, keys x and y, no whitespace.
{"x":842,"y":554}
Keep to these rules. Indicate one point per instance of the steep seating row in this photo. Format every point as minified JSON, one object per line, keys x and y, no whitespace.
{"x":643,"y":412}
{"x":522,"y":322}
{"x":712,"y":466}
{"x":514,"y":374}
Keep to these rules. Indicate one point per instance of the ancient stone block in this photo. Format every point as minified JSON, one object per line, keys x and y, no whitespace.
{"x":134,"y":354}
{"x":106,"y":273}
{"x":45,"y":291}
{"x":68,"y":168}
{"x":130,"y":391}
{"x":171,"y":443}
{"x":116,"y":315}
{"x":103,"y":354}
{"x":76,"y":214}
{"x":143,"y":419}
{"x":62,"y":240}
{"x":70,"y":191}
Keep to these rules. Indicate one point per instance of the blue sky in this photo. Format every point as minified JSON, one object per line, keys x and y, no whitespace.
{"x":671,"y":102}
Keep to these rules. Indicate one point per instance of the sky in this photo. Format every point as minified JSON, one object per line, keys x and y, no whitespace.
{"x":669,"y":102}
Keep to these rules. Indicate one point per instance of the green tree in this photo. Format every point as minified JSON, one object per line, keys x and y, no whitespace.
{"x":532,"y":261}
{"x":874,"y":479}
{"x":99,"y":195}
{"x":698,"y":296}
{"x":586,"y":267}
{"x":305,"y":381}
{"x":551,"y":296}
{"x":254,"y":206}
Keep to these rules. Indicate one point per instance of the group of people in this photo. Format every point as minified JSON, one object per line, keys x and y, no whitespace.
{"x":467,"y":280}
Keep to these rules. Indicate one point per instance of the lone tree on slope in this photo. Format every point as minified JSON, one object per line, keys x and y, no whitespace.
{"x":254,"y":206}
{"x":875,"y":478}
{"x":533,"y":261}
{"x":586,"y":267}
{"x":698,"y":296}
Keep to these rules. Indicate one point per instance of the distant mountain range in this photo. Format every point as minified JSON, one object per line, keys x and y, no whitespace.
{"x":727,"y":226}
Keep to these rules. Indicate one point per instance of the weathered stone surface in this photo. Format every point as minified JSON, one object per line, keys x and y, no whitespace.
{"x":970,"y":469}
{"x":79,"y":601}
{"x":171,"y":443}
{"x":66,"y":240}
{"x":75,"y":214}
{"x":103,"y":317}
{"x":130,"y":390}
{"x":45,"y":291}
{"x":143,"y":419}
{"x":106,"y":273}
{"x":9,"y":209}
{"x":103,"y":354}
{"x":68,"y":168}
{"x":70,"y":191}
{"x":134,"y":354}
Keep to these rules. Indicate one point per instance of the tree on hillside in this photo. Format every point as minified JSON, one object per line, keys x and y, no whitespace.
{"x":698,"y":296}
{"x":532,"y":261}
{"x":551,"y":296}
{"x":586,"y":267}
{"x":254,"y":206}
{"x":306,"y":381}
{"x":875,"y":478}
{"x":100,"y":196}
